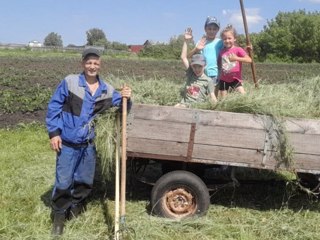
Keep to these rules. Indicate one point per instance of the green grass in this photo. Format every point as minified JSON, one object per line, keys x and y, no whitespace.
{"x":255,"y":211}
{"x":264,"y":210}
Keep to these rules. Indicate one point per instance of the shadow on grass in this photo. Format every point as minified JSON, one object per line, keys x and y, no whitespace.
{"x":46,"y":197}
{"x":257,"y":189}
{"x":99,"y":192}
{"x":264,"y":196}
{"x":263,"y":190}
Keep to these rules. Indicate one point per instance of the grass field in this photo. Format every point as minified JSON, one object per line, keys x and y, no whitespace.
{"x":261,"y":210}
{"x":265,"y":210}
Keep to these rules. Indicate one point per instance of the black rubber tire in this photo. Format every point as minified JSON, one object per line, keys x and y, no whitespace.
{"x":179,"y":194}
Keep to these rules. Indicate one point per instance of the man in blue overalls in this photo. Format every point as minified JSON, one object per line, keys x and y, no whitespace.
{"x":71,"y":111}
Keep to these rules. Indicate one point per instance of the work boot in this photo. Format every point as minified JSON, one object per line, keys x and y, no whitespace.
{"x":76,"y":210}
{"x":58,"y":224}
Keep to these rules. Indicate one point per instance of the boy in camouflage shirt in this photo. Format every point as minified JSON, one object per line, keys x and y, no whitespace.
{"x":198,"y":85}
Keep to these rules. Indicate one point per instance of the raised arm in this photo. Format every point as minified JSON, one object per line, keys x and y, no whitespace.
{"x":184,"y":51}
{"x":200,"y":45}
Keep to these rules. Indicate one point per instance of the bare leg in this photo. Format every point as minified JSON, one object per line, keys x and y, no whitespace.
{"x":222,"y":94}
{"x":240,"y":90}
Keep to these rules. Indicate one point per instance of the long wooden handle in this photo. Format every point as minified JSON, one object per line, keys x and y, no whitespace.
{"x":117,"y":183}
{"x":253,"y":68}
{"x":124,"y":158}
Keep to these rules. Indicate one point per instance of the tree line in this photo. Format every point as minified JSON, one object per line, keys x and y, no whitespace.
{"x":289,"y":37}
{"x":95,"y":37}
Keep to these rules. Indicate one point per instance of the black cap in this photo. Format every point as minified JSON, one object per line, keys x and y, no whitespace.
{"x":211,"y":20}
{"x":90,"y":51}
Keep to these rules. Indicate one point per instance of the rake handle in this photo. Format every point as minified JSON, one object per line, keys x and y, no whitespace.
{"x":250,"y":51}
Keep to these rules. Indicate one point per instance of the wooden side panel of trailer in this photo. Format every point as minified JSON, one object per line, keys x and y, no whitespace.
{"x":224,"y":138}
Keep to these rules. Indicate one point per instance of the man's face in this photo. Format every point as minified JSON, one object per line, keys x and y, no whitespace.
{"x":211,"y":31}
{"x":91,"y":66}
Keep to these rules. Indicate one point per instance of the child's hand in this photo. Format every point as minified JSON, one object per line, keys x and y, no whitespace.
{"x":188,"y":34}
{"x":249,"y":48}
{"x":232,"y":57}
{"x":202,"y":43}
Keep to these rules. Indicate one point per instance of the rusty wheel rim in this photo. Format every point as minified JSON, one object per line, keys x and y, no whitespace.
{"x":179,"y":203}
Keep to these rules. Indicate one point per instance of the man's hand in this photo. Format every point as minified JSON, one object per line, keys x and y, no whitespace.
{"x":126,"y":92}
{"x":56,"y":143}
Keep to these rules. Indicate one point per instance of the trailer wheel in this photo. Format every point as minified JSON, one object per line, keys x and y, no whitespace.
{"x":179,"y":194}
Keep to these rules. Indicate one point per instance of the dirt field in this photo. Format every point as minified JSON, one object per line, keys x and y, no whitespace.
{"x":20,"y":73}
{"x":27,"y":81}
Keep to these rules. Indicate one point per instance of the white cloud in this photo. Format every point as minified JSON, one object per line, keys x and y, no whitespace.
{"x":253,"y":17}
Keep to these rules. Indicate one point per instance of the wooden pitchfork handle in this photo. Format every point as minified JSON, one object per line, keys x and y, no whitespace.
{"x":117,"y":183}
{"x":123,"y":160}
{"x":250,"y":51}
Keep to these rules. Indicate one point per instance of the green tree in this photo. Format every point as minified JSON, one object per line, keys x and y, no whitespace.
{"x":53,"y":40}
{"x":291,"y":37}
{"x":254,"y":40}
{"x":96,"y":37}
{"x":171,"y":50}
{"x":117,"y":46}
{"x":175,"y":45}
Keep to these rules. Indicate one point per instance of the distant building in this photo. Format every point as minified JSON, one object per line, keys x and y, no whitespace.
{"x":138,"y":48}
{"x":34,"y":44}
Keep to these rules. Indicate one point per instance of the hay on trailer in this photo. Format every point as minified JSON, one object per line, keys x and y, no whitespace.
{"x":281,"y":146}
{"x":106,"y":140}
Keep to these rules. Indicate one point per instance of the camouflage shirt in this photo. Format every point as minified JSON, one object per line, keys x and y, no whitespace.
{"x":196,"y":89}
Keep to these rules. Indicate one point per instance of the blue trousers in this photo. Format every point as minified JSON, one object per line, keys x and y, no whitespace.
{"x":75,"y":168}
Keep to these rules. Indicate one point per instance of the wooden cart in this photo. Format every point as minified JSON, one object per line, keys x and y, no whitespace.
{"x":215,"y":138}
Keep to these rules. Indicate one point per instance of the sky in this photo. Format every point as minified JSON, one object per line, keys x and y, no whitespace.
{"x":132,"y":21}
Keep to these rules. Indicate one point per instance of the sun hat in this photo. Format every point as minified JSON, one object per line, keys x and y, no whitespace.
{"x":198,"y":59}
{"x":211,"y":20}
{"x":89,"y":52}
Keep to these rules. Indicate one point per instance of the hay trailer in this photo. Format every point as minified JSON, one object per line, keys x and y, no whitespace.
{"x":186,"y":141}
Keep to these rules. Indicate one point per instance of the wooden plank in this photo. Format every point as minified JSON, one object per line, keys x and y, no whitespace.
{"x":163,"y":113}
{"x":238,"y":157}
{"x":156,"y":156}
{"x":161,"y":130}
{"x":226,"y":154}
{"x":230,"y":137}
{"x":151,"y":146}
{"x":306,"y":162}
{"x":305,"y":143}
{"x":303,"y":126}
{"x":236,"y":120}
{"x":220,"y":118}
{"x":203,"y":117}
